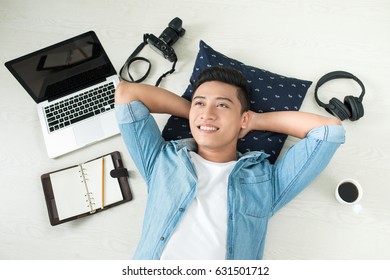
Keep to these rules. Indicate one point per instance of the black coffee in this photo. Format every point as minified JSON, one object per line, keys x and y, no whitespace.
{"x":348,"y":192}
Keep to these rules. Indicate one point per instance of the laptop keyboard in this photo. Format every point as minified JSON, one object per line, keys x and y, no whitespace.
{"x":82,"y":106}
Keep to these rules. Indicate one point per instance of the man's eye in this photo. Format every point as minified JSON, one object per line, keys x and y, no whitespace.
{"x":222,"y":105}
{"x":198,"y":103}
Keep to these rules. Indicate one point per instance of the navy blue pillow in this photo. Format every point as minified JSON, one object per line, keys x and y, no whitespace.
{"x":267,"y":92}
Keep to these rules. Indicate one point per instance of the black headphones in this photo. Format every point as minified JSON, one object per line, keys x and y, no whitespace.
{"x":352,"y":108}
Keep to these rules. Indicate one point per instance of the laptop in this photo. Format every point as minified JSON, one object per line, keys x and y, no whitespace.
{"x":73,"y":84}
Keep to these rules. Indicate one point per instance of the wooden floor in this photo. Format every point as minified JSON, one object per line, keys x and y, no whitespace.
{"x":302,"y":38}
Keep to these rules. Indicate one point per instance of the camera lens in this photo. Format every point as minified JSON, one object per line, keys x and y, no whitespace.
{"x":169,"y":36}
{"x":172,"y":33}
{"x":176,"y":24}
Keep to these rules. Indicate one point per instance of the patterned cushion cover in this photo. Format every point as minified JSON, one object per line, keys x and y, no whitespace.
{"x":267,"y":91}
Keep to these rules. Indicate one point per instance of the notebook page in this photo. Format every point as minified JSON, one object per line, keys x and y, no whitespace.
{"x":93,"y":173}
{"x":69,"y":192}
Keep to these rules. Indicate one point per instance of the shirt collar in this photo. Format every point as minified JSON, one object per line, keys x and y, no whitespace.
{"x":190,"y":144}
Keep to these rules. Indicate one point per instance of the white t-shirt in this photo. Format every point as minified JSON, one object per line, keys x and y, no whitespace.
{"x":202,"y":231}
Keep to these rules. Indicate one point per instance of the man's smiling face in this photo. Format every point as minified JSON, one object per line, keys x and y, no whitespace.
{"x":216,"y":117}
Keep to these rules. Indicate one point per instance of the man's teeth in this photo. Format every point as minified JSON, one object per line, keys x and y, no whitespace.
{"x":209,"y":128}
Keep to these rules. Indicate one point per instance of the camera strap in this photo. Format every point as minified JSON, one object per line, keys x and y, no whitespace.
{"x":133,"y":57}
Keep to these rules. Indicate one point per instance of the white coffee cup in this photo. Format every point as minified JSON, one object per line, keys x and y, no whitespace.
{"x":348,"y":191}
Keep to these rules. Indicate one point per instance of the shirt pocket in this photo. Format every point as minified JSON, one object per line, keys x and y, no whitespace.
{"x":256,"y":195}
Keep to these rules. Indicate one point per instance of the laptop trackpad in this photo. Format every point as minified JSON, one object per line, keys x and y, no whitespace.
{"x":88,"y":132}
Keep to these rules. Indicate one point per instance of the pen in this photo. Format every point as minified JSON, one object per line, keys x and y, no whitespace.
{"x":102,"y":183}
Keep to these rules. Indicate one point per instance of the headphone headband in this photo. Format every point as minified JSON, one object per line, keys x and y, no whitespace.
{"x":337,"y":75}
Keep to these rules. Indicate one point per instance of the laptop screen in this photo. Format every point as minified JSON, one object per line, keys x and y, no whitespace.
{"x":62,"y":68}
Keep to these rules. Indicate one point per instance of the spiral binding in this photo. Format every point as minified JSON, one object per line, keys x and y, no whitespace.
{"x":90,"y":200}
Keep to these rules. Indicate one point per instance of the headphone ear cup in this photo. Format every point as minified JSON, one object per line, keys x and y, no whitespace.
{"x":355,"y":107}
{"x":338,"y":109}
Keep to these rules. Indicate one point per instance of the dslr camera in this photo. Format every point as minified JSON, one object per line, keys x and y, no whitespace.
{"x":163,"y":44}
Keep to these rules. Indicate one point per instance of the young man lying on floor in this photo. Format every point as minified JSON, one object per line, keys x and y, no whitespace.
{"x":205,"y":200}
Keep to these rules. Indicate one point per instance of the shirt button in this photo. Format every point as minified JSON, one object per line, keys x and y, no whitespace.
{"x":162,"y":238}
{"x":181,"y":209}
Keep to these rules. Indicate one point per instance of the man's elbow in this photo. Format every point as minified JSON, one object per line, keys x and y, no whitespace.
{"x":334,"y":121}
{"x":124,"y":93}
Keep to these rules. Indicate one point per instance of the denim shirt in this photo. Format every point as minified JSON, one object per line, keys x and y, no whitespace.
{"x":256,"y":189}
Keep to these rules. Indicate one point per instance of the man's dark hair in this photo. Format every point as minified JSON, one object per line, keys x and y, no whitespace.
{"x":228,"y":76}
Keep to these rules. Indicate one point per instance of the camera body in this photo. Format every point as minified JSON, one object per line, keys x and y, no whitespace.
{"x":163,"y":44}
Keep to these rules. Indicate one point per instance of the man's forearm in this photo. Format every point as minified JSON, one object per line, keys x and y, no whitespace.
{"x":158,"y":100}
{"x":293,"y":123}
